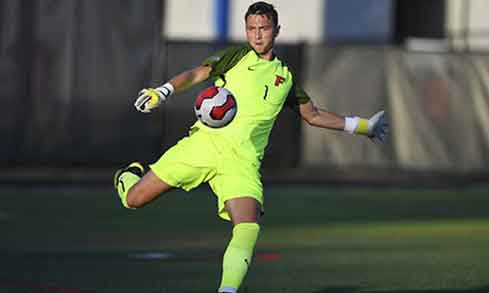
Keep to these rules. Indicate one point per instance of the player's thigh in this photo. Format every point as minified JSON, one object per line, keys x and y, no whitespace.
{"x":242,"y":180}
{"x":243,"y":210}
{"x":188,"y":163}
{"x":146,"y":189}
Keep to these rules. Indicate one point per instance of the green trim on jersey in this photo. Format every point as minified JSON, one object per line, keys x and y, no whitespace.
{"x":225,"y":59}
{"x":297,"y":96}
{"x":261,"y":88}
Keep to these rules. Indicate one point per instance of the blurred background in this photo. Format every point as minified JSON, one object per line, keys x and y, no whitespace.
{"x":72,"y":69}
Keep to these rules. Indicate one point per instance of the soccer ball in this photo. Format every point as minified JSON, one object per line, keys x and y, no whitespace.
{"x":215,"y":107}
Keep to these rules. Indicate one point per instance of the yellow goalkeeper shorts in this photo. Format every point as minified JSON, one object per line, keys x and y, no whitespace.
{"x":208,"y":157}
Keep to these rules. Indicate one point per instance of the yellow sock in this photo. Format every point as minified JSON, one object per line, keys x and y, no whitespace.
{"x":238,"y":255}
{"x":126,"y":181}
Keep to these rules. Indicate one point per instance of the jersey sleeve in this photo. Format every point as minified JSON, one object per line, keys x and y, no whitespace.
{"x":225,"y":59}
{"x":297,"y":96}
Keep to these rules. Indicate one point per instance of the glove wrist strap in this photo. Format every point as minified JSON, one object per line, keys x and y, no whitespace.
{"x":351,"y":124}
{"x":362,"y":127}
{"x":356,"y":125}
{"x":166,"y":90}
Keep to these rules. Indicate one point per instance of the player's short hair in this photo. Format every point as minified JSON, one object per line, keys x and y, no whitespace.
{"x":263,"y":8}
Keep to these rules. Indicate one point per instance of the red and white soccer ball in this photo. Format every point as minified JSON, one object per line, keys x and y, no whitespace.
{"x":215,"y":107}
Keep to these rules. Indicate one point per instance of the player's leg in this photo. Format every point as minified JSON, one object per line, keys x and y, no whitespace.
{"x":146,"y":190}
{"x":243,"y":209}
{"x":244,"y":213}
{"x":182,"y":166}
{"x":135,"y":189}
{"x":240,"y":199}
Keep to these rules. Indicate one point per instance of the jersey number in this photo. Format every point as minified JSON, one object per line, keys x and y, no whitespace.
{"x":266,"y":92}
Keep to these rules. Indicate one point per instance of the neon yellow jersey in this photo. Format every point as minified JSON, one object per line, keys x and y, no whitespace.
{"x":261,"y":89}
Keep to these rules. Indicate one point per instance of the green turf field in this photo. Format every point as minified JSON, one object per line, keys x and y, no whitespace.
{"x":314,"y":239}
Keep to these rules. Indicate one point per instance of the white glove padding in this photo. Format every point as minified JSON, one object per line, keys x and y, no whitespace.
{"x":377,"y":127}
{"x":151,"y":98}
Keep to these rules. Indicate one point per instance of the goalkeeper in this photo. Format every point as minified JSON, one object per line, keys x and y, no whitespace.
{"x":262,"y":84}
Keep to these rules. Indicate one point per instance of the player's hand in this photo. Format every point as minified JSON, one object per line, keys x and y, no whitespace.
{"x":377,"y":127}
{"x":151,"y":98}
{"x":148,"y":99}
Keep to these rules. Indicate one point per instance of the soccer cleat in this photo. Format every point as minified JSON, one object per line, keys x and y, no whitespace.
{"x":135,"y":168}
{"x":227,"y":290}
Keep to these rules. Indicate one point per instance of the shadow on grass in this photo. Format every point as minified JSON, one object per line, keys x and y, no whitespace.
{"x":484,"y":289}
{"x":339,"y":290}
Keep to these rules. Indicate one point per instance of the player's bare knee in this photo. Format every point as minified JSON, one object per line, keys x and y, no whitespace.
{"x":133,"y":198}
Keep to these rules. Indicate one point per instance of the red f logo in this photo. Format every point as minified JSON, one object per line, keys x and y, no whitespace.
{"x":279,"y":80}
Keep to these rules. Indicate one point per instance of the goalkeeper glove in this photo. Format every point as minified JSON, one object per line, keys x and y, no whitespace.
{"x":376,"y":128}
{"x":151,"y":98}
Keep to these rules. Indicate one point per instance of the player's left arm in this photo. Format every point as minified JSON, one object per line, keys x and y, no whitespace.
{"x":375,"y":127}
{"x":315,"y":116}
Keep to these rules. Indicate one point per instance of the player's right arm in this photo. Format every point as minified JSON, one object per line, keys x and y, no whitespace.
{"x":211,"y":67}
{"x":189,"y":78}
{"x":150,"y":98}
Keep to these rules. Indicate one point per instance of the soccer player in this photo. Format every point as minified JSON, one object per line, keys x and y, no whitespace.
{"x":262,"y":84}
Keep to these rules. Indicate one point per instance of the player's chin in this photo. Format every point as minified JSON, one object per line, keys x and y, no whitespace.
{"x":260,"y":50}
{"x":257,"y":49}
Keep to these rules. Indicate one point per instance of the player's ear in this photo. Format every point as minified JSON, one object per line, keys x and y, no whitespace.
{"x":277,"y":30}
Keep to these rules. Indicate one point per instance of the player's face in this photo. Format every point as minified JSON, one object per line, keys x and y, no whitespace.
{"x":261,"y":34}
